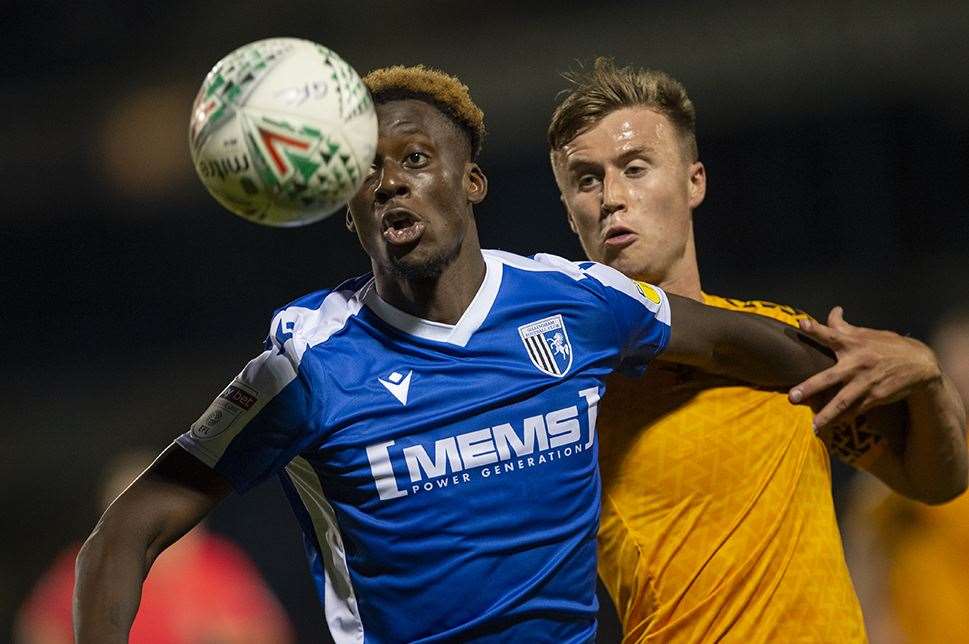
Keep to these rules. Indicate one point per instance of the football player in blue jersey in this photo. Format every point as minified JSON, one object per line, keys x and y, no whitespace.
{"x":433,"y":424}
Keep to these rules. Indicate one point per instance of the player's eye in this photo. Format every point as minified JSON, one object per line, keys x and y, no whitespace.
{"x":416,"y":160}
{"x":587,"y":182}
{"x":635,"y":170}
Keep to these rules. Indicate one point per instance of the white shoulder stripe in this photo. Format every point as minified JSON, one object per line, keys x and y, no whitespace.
{"x":259,"y":381}
{"x":542,"y":262}
{"x":607,"y":276}
{"x":614,"y":279}
{"x":296,"y":328}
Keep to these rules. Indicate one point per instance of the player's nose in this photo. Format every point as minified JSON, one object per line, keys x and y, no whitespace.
{"x":392,"y":184}
{"x":613,"y":195}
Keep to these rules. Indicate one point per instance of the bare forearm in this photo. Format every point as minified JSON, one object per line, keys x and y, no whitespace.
{"x":746,"y":347}
{"x":110,"y":571}
{"x":164,"y":503}
{"x":768,"y":353}
{"x":935,"y":458}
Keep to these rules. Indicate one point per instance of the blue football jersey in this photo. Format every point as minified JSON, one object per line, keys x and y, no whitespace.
{"x":445,"y":477}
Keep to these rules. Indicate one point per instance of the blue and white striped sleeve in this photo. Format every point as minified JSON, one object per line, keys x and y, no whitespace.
{"x":260,"y":421}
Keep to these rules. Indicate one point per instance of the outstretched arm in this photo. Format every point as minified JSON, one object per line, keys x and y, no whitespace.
{"x":746,"y":347}
{"x":164,"y":503}
{"x":893,"y":393}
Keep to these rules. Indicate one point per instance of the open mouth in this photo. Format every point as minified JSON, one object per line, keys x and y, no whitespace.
{"x":619,"y":236}
{"x":400,"y":227}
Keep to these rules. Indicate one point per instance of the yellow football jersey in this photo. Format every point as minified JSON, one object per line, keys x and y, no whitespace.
{"x":717,"y":517}
{"x":927,"y":561}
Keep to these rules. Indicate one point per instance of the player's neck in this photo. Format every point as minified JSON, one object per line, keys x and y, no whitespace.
{"x":443,"y":298}
{"x":683,"y":287}
{"x":684,"y":277}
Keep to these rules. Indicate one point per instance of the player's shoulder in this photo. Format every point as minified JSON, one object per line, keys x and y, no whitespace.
{"x":781,"y":312}
{"x":541,"y":276}
{"x":315,"y":299}
{"x":541,"y":264}
{"x":592,"y":278}
{"x":318,"y":315}
{"x":552,"y":267}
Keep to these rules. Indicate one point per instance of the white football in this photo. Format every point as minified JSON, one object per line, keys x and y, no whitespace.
{"x":282,"y":132}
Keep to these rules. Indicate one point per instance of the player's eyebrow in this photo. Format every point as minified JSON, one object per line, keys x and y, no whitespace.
{"x":406,"y":127}
{"x":641,"y":150}
{"x":575,"y":165}
{"x":578,"y":164}
{"x":408,"y":132}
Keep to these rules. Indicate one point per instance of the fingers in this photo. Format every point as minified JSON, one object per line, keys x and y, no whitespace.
{"x":825,"y":434}
{"x":885,"y":392}
{"x":844,"y":404}
{"x":836,"y":317}
{"x":836,"y":320}
{"x":817,"y":331}
{"x":817,"y":383}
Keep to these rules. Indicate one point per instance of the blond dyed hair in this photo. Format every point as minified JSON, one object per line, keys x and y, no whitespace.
{"x":597,"y":92}
{"x":445,"y":92}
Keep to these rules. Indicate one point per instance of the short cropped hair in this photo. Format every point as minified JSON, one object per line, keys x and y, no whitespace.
{"x":606,"y":88}
{"x":445,"y":92}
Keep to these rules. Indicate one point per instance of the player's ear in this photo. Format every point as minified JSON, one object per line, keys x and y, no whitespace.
{"x":698,"y":184}
{"x":475,"y":183}
{"x":568,"y":214}
{"x":349,"y":221}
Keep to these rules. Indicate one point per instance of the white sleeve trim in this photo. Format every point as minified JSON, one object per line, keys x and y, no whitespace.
{"x":614,"y":279}
{"x":258,"y":383}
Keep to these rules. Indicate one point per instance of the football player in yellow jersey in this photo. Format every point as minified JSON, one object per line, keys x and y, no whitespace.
{"x":718,"y":522}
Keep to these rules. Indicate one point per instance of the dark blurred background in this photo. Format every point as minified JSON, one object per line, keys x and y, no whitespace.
{"x":835,"y":142}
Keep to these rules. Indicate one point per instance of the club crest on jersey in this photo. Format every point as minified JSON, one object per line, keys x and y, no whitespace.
{"x":547,"y":344}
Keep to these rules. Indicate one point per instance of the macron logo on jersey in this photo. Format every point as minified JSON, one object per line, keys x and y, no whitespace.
{"x":484,"y":453}
{"x":398,"y":385}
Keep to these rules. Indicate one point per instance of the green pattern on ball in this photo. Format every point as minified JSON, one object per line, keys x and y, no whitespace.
{"x":279,"y":131}
{"x":321,"y":176}
{"x":354,"y":97}
{"x":231,"y":80}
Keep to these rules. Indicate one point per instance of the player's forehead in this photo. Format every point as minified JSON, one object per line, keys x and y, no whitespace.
{"x":621,"y":132}
{"x":411,"y":118}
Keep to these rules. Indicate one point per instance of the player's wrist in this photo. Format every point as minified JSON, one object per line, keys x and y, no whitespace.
{"x":930,"y":378}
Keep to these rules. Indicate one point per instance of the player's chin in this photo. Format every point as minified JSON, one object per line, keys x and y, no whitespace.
{"x":616,"y":256}
{"x":413,"y":252}
{"x":412,"y":264}
{"x":424,"y":260}
{"x":628,"y":262}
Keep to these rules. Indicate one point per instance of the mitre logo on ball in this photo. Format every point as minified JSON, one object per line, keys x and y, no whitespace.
{"x":283,"y":132}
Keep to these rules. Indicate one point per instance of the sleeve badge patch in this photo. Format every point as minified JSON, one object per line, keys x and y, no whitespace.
{"x":648,"y":292}
{"x":234,"y":401}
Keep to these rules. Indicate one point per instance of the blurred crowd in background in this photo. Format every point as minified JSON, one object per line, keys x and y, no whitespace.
{"x":836,"y":150}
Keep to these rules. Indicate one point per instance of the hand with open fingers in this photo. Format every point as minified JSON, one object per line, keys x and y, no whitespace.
{"x":874,"y":368}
